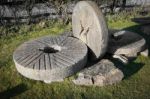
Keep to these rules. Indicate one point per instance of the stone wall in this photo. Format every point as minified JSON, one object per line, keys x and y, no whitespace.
{"x":138,"y":2}
{"x":26,"y":13}
{"x":21,"y":13}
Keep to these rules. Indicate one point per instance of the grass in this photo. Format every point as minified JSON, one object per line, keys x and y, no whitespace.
{"x":136,"y":84}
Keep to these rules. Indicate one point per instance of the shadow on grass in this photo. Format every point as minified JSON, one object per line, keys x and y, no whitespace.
{"x":17,"y":90}
{"x":130,"y":69}
{"x":145,"y":20}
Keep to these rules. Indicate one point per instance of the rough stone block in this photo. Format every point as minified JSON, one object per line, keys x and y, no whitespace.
{"x":100,"y":74}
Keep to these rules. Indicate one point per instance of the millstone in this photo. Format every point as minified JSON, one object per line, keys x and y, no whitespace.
{"x":89,"y":25}
{"x":126,"y":43}
{"x":100,"y":74}
{"x":50,"y":58}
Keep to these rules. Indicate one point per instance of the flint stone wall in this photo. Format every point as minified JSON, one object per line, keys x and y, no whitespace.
{"x":21,"y":14}
{"x":138,"y":2}
{"x":39,"y":11}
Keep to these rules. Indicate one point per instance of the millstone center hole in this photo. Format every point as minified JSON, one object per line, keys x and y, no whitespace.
{"x":53,"y":49}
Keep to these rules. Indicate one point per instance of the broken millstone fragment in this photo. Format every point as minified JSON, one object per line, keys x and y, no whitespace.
{"x":100,"y":74}
{"x":145,"y":53}
{"x":121,"y":58}
{"x":50,"y":59}
{"x":126,"y":43}
{"x":89,"y":25}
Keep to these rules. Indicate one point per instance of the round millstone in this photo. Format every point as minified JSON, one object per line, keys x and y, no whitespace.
{"x":126,"y":43}
{"x":89,"y":25}
{"x":50,"y":58}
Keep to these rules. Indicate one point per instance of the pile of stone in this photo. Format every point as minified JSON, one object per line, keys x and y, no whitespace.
{"x":52,"y":59}
{"x":102,"y":73}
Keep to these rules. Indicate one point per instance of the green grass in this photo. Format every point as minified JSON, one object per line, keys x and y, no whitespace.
{"x":136,"y":84}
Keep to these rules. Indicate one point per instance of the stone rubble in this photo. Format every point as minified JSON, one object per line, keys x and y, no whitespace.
{"x":100,"y":74}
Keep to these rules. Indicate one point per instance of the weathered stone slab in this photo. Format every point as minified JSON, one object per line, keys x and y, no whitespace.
{"x":100,"y":74}
{"x":50,"y":58}
{"x":126,"y":43}
{"x":89,"y":25}
{"x":121,"y":58}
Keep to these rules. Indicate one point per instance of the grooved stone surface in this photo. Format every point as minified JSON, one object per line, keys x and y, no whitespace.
{"x":89,"y":25}
{"x":50,"y":58}
{"x":127,"y":43}
{"x":102,"y":73}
